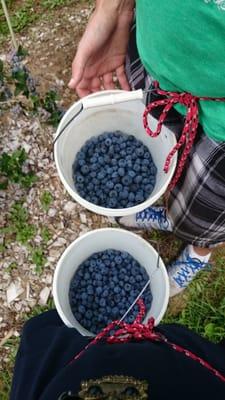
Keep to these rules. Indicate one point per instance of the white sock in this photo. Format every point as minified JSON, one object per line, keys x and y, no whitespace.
{"x":193,"y":254}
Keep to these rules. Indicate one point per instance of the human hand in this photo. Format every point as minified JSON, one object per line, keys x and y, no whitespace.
{"x":101,"y":53}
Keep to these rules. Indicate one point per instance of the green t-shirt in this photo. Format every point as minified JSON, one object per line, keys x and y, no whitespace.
{"x":182,"y":45}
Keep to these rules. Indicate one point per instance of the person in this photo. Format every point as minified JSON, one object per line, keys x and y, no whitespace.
{"x":181,"y":47}
{"x":46,"y":367}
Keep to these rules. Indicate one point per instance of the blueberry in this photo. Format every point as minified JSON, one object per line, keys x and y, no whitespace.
{"x":139,"y":198}
{"x":153,"y":169}
{"x":121,"y":171}
{"x":81,"y":309}
{"x":108,"y":142}
{"x":98,"y":276}
{"x":105,"y":293}
{"x":126,"y":180}
{"x":124,"y":194}
{"x":79,"y":179}
{"x":131,"y":197}
{"x":140,"y":151}
{"x":84,"y":296}
{"x":122,"y":163}
{"x":115,"y":279}
{"x":112,"y":203}
{"x":98,"y":290}
{"x":114,"y":161}
{"x":88,"y":314}
{"x":101,"y":175}
{"x":118,"y":260}
{"x":118,"y":187}
{"x":102,"y":303}
{"x":127,"y":287}
{"x":90,"y":289}
{"x":117,"y":289}
{"x":85,"y":169}
{"x":115,"y":311}
{"x":113,"y":193}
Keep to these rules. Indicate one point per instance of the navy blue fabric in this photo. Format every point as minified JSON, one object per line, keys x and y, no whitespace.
{"x":43,"y":372}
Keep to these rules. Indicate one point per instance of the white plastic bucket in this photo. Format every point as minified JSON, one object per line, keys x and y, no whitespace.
{"x":99,"y":240}
{"x":125,"y":116}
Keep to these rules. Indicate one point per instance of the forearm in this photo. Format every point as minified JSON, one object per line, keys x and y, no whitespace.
{"x":117,"y":6}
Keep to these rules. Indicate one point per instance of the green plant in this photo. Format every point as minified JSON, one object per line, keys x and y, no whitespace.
{"x":45,"y":234}
{"x":12,"y":345}
{"x":6,"y":370}
{"x":38,"y":258}
{"x":11,"y":170}
{"x":204,"y":312}
{"x":50,"y":105}
{"x":20,"y":18}
{"x":55,"y":3}
{"x":46,"y":200}
{"x":20,"y":78}
{"x":18,"y":224}
{"x":12,"y":266}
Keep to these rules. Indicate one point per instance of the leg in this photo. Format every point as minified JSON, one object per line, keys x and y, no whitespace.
{"x":196,"y":207}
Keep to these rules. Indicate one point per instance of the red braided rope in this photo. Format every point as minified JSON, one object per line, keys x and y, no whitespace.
{"x":139,"y":332}
{"x":190,"y":127}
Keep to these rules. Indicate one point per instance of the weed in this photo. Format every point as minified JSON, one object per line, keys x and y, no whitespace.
{"x":38,"y":258}
{"x":45,"y":234}
{"x":20,"y":18}
{"x":12,"y":266}
{"x":12,"y":345}
{"x":6,"y":373}
{"x":11,"y":170}
{"x":19,"y":224}
{"x":49,"y":104}
{"x":55,"y":3}
{"x":205,"y":309}
{"x":46,"y":200}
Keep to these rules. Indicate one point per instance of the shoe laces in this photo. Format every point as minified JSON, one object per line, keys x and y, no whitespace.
{"x":189,"y":266}
{"x":151,"y":214}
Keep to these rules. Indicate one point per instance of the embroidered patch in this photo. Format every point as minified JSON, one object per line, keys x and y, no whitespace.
{"x":220,"y":3}
{"x":110,"y":387}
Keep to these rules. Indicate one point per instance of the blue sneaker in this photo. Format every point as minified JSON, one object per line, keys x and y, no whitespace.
{"x":182,"y":271}
{"x":150,"y":218}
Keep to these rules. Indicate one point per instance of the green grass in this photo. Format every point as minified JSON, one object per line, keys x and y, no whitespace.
{"x":12,"y":170}
{"x":12,"y":344}
{"x":204,"y":312}
{"x":46,"y":200}
{"x":23,"y":16}
{"x":6,"y":370}
{"x":38,"y":258}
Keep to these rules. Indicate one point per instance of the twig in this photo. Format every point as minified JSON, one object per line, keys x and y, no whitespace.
{"x":9,"y":24}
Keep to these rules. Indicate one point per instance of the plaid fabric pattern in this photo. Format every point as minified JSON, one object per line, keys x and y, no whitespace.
{"x":196,"y":206}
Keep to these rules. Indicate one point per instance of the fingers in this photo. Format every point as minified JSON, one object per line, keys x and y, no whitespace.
{"x":122,"y":78}
{"x":78,"y":67}
{"x":88,"y":86}
{"x":95,"y":85}
{"x":83,"y":88}
{"x":107,"y":81}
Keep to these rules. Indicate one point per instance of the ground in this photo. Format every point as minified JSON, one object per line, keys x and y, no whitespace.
{"x":38,"y":223}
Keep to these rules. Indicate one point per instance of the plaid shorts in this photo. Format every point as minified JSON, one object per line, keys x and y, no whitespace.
{"x":196,"y":206}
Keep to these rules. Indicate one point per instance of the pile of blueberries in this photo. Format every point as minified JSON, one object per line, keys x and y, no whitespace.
{"x":105,"y":286}
{"x":114,"y":170}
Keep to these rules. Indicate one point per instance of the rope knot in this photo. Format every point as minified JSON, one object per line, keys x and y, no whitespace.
{"x":186,"y":99}
{"x":190,"y":126}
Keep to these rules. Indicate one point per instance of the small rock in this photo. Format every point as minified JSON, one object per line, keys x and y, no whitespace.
{"x":59,"y":242}
{"x":44,"y":295}
{"x":52,"y":212}
{"x":83,"y":218}
{"x":69,"y":207}
{"x":13,"y":292}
